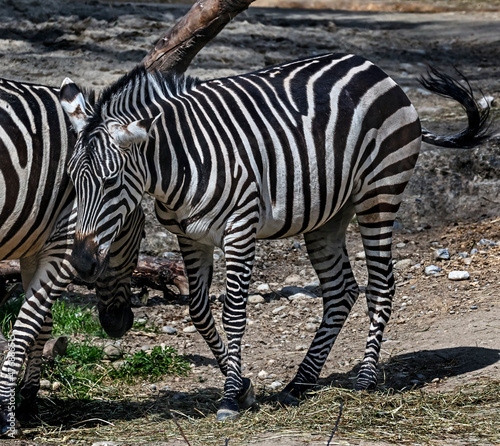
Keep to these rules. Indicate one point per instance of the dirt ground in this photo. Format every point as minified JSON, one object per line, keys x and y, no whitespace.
{"x":443,"y":333}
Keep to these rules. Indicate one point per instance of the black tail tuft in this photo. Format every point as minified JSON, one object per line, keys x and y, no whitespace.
{"x":448,"y":87}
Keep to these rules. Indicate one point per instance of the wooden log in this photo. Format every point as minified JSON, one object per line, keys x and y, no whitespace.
{"x":177,"y":48}
{"x":156,"y":273}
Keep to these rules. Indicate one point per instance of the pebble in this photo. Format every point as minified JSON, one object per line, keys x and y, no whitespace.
{"x":112,"y":351}
{"x":105,"y":443}
{"x":473,"y":307}
{"x":56,"y":385}
{"x":264,"y":287}
{"x":189,"y":329}
{"x":262,"y":374}
{"x":403,"y":264}
{"x":293,"y":278}
{"x":45,"y":384}
{"x":442,"y":254}
{"x":169,"y":330}
{"x":487,"y":242}
{"x":146,"y":348}
{"x":310,"y":327}
{"x":361,"y":255}
{"x":292,"y":291}
{"x":277,"y":310}
{"x":255,"y":299}
{"x":275,"y":385}
{"x":400,"y":245}
{"x":458,"y":275}
{"x":432,"y":270}
{"x":300,"y":348}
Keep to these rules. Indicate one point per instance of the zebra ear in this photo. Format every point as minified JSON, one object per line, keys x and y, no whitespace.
{"x":135,"y":132}
{"x":73,"y":103}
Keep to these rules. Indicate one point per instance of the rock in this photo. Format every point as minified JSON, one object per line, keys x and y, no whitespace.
{"x":292,"y":291}
{"x":255,"y":299}
{"x":275,"y":385}
{"x":112,"y":351}
{"x":441,"y":254}
{"x":361,"y":255}
{"x":264,"y":287}
{"x":293,"y":278}
{"x":45,"y":384}
{"x":299,"y":348}
{"x":312,"y":285}
{"x":56,"y":385}
{"x":55,"y":347}
{"x":146,"y":348}
{"x":487,"y":242}
{"x":400,"y":245}
{"x":169,"y":330}
{"x":262,"y":374}
{"x":277,"y":310}
{"x":190,"y":329}
{"x":458,"y":275}
{"x":310,"y":327}
{"x":403,"y":264}
{"x":432,"y":270}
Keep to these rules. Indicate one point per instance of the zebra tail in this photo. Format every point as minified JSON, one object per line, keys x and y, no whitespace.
{"x":477,"y":116}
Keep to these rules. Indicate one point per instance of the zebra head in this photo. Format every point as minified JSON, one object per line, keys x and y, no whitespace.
{"x":108,"y":186}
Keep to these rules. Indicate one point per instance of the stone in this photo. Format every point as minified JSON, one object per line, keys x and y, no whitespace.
{"x":56,"y":385}
{"x":255,"y":299}
{"x":400,"y":245}
{"x":290,"y":291}
{"x":275,"y":385}
{"x":45,"y":384}
{"x":442,"y":254}
{"x":432,"y":270}
{"x":458,"y":275}
{"x":169,"y":330}
{"x":310,"y":327}
{"x":190,"y":329}
{"x":264,"y":287}
{"x":403,"y":264}
{"x":262,"y":374}
{"x":112,"y":351}
{"x":277,"y":310}
{"x":55,"y":347}
{"x":293,"y":278}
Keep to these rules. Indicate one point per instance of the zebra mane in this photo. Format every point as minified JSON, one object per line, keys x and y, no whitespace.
{"x":169,"y":84}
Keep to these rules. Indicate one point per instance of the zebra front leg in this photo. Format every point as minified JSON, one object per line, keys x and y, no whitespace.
{"x":198,"y":260}
{"x":30,"y":385}
{"x":327,"y":252}
{"x":377,"y":240}
{"x":239,"y":248}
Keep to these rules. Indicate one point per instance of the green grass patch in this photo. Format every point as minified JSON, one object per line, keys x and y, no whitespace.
{"x":70,"y":318}
{"x":151,"y":365}
{"x":9,"y":312}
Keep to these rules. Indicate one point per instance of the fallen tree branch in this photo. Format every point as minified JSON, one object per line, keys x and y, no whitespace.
{"x":177,"y":48}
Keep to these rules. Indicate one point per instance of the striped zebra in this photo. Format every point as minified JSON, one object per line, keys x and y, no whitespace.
{"x":37,"y":226}
{"x":294,"y":149}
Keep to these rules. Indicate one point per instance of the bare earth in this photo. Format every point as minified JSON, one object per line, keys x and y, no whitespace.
{"x":443,"y":333}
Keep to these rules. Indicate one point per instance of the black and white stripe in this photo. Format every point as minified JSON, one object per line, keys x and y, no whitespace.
{"x":296,"y":148}
{"x":37,"y":226}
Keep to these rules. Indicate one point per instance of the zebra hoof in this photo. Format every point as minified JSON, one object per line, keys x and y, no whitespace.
{"x":367,"y":380}
{"x":227,"y":415}
{"x":247,"y":396}
{"x":293,"y":393}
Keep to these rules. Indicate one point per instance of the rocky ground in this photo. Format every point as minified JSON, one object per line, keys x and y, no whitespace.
{"x":443,"y":332}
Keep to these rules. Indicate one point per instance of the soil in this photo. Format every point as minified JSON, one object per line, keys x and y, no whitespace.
{"x":442,"y":333}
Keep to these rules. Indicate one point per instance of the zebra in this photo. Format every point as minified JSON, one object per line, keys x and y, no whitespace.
{"x":37,"y":226}
{"x":298,"y":148}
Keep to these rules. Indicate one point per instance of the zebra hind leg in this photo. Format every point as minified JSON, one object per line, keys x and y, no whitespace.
{"x":327,"y":252}
{"x":377,"y":240}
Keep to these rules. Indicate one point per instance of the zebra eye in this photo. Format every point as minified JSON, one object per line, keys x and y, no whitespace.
{"x":110,"y":182}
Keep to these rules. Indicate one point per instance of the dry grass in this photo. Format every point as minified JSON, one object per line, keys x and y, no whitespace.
{"x":469,"y":414}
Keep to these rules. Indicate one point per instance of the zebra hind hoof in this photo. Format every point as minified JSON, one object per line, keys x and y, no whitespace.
{"x":247,"y":398}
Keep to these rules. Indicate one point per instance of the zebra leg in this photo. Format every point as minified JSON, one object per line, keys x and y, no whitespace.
{"x":328,"y":254}
{"x":376,"y":232}
{"x":198,"y":260}
{"x":30,"y":385}
{"x":239,"y":247}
